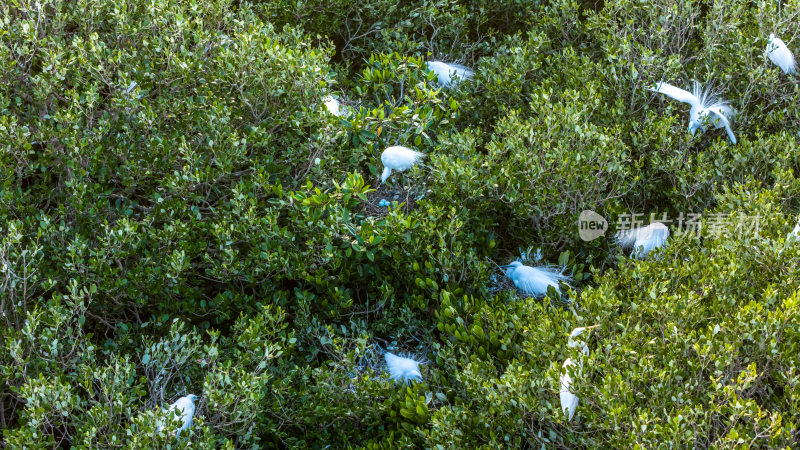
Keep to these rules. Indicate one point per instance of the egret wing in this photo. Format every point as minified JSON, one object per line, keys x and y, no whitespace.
{"x":677,"y":94}
{"x":718,"y":112}
{"x":462,"y":71}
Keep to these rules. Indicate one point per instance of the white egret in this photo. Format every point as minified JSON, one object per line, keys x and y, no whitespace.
{"x":402,"y":369}
{"x":185,"y":407}
{"x":534,"y":281}
{"x":333,"y":105}
{"x":795,"y":234}
{"x":706,"y":110}
{"x":569,"y":401}
{"x":643,"y":240}
{"x":449,"y":73}
{"x":398,"y":158}
{"x":779,"y":53}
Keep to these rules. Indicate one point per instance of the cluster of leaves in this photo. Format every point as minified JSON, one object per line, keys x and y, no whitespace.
{"x":180,"y":214}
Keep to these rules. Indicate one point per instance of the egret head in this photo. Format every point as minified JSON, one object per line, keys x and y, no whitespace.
{"x":771,"y":45}
{"x":700,"y":122}
{"x":693,"y":126}
{"x":192,"y":397}
{"x":510,"y":268}
{"x":577,"y":331}
{"x":414,"y":375}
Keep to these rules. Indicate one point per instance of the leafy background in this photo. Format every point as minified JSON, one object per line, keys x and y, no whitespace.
{"x":180,"y":215}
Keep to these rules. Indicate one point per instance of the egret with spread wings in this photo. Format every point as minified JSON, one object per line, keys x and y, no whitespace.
{"x":706,"y":110}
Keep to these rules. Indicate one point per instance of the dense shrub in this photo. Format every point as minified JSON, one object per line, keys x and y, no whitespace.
{"x":180,"y":214}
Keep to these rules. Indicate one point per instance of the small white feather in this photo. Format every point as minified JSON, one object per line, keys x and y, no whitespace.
{"x":643,"y":240}
{"x":449,"y":73}
{"x":402,"y":369}
{"x":780,"y":55}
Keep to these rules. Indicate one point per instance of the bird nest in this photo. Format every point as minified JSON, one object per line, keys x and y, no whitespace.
{"x":498,"y":283}
{"x":385,"y":198}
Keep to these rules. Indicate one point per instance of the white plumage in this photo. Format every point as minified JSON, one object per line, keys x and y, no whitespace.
{"x":569,"y":401}
{"x":706,"y":110}
{"x":795,"y":234}
{"x":779,"y":53}
{"x":449,"y":73}
{"x":402,"y":369}
{"x":333,"y":105}
{"x":185,"y":407}
{"x":643,"y":240}
{"x":398,"y":158}
{"x":573,"y":342}
{"x":534,"y":281}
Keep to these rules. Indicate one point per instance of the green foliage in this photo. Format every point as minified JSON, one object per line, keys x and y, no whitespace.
{"x":180,"y":214}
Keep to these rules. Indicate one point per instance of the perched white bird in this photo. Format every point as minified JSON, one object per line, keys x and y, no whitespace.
{"x":569,"y":401}
{"x":402,"y":369}
{"x":185,"y":407}
{"x":795,"y":234}
{"x":398,"y":158}
{"x":534,"y":281}
{"x":707,"y":109}
{"x":333,"y":105}
{"x":643,"y":240}
{"x":449,"y":73}
{"x":779,"y":53}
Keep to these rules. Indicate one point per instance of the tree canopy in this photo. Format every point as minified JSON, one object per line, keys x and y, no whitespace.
{"x":181,"y":214}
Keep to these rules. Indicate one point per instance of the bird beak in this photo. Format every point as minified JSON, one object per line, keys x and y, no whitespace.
{"x":505,"y":267}
{"x":592,"y":327}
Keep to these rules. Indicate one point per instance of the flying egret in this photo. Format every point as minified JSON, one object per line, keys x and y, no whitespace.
{"x":185,"y":407}
{"x":643,"y":240}
{"x":707,"y":109}
{"x":569,"y":401}
{"x":398,"y":158}
{"x":534,"y":281}
{"x":779,"y":53}
{"x":449,"y":73}
{"x":333,"y":105}
{"x":402,"y":369}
